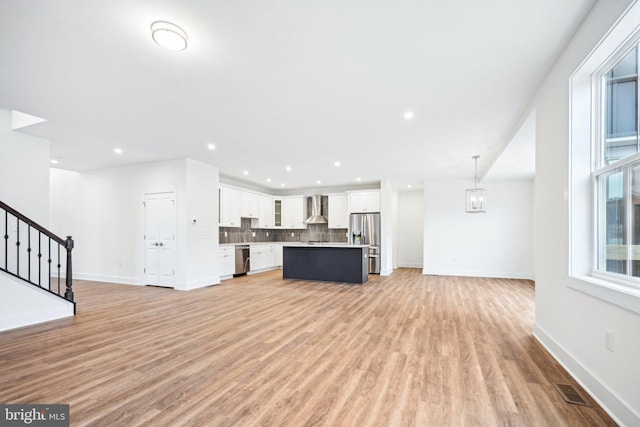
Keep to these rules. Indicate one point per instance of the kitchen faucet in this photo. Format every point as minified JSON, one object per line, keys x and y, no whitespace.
{"x":244,"y":235}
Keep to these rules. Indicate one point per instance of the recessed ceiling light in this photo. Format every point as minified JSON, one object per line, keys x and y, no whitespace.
{"x":408,"y":115}
{"x":211,"y":147}
{"x":288,"y":168}
{"x":54,"y":161}
{"x":336,"y":163}
{"x":282,"y":185}
{"x":409,"y":186}
{"x":318,"y":182}
{"x":245,"y":172}
{"x":168,"y":35}
{"x":268,"y":179}
{"x":117,"y":150}
{"x":358,"y":179}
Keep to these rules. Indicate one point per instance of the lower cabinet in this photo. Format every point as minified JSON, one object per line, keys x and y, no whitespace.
{"x":227,"y":261}
{"x":278,"y":251}
{"x":261,"y":257}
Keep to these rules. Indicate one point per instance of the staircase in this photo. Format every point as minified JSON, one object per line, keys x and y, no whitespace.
{"x":35,"y":272}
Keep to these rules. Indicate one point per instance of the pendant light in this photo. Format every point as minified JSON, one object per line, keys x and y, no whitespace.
{"x":475,"y":198}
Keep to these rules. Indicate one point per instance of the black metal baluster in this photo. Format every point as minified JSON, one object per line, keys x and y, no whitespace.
{"x":29,"y":252}
{"x":18,"y":247}
{"x":40,"y":258}
{"x":49,"y":262}
{"x":6,"y":240}
{"x":59,"y":268}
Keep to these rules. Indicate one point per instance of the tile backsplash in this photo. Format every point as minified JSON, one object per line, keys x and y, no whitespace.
{"x":313,"y":232}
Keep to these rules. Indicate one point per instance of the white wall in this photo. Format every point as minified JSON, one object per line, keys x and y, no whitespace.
{"x":409,"y":229}
{"x":569,"y":323}
{"x":24,"y":172}
{"x":498,"y":243}
{"x":202,"y":235}
{"x":103,"y":211}
{"x":387,"y":212}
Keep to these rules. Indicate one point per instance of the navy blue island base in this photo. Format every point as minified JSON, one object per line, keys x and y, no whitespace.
{"x":327,"y":263}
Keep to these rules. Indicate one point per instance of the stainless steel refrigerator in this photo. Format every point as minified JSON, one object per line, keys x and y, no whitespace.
{"x":365,"y":230}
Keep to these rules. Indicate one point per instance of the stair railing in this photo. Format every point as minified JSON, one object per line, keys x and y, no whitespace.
{"x":18,"y":261}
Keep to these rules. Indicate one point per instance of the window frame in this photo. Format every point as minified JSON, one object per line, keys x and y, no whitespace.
{"x":602,"y":169}
{"x":585,"y":152}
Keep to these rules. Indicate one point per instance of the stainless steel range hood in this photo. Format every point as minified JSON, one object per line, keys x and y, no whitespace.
{"x":317,"y":216}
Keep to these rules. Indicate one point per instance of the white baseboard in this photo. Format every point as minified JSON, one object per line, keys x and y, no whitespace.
{"x":386,"y":272}
{"x":203,"y":283}
{"x":621,"y":412}
{"x":478,"y":273}
{"x":108,"y":279}
{"x":409,"y":265}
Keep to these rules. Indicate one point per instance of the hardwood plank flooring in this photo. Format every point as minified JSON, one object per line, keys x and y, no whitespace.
{"x":401,"y":350}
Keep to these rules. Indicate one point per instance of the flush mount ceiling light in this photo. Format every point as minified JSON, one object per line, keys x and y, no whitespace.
{"x":475,"y":199}
{"x":168,"y":35}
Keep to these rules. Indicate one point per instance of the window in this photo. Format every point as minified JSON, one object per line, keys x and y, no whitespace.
{"x":617,"y":174}
{"x":604,"y":168}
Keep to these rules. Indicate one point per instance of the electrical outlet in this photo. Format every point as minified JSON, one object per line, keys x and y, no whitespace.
{"x":292,"y":234}
{"x":608,"y":340}
{"x":253,"y":234}
{"x":267,"y":234}
{"x":226,"y":234}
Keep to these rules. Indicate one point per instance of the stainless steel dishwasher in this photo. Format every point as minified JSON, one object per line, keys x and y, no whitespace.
{"x":243,"y":263}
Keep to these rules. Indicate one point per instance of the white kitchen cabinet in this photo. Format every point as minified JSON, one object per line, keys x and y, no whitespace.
{"x":265,"y":212}
{"x":364,"y":201}
{"x":338,"y":211}
{"x":230,"y":201}
{"x":249,"y":205}
{"x":294,"y":212}
{"x":261,"y":257}
{"x":227,"y":258}
{"x":277,"y":248}
{"x":277,"y":213}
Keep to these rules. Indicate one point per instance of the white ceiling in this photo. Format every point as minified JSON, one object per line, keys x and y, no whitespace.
{"x":283,"y":83}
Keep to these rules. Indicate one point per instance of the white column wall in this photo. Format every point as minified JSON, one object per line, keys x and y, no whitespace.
{"x":202,"y":225}
{"x":387,"y":212}
{"x":410,"y":229}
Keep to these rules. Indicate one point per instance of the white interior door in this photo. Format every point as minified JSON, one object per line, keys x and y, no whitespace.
{"x":160,"y":239}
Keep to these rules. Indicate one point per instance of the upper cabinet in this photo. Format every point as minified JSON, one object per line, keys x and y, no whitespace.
{"x":249,"y":205}
{"x":294,"y":212}
{"x":230,"y":202}
{"x":338,"y":212}
{"x":277,"y":212}
{"x":265,"y":212}
{"x":364,"y":201}
{"x":236,"y":203}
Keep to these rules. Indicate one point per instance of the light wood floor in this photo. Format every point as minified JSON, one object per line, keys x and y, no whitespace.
{"x":402,"y":350}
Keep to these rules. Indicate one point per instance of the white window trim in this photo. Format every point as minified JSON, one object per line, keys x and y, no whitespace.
{"x":583,"y":160}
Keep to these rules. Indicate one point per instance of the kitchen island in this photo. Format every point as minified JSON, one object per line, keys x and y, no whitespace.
{"x":326,"y":262}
